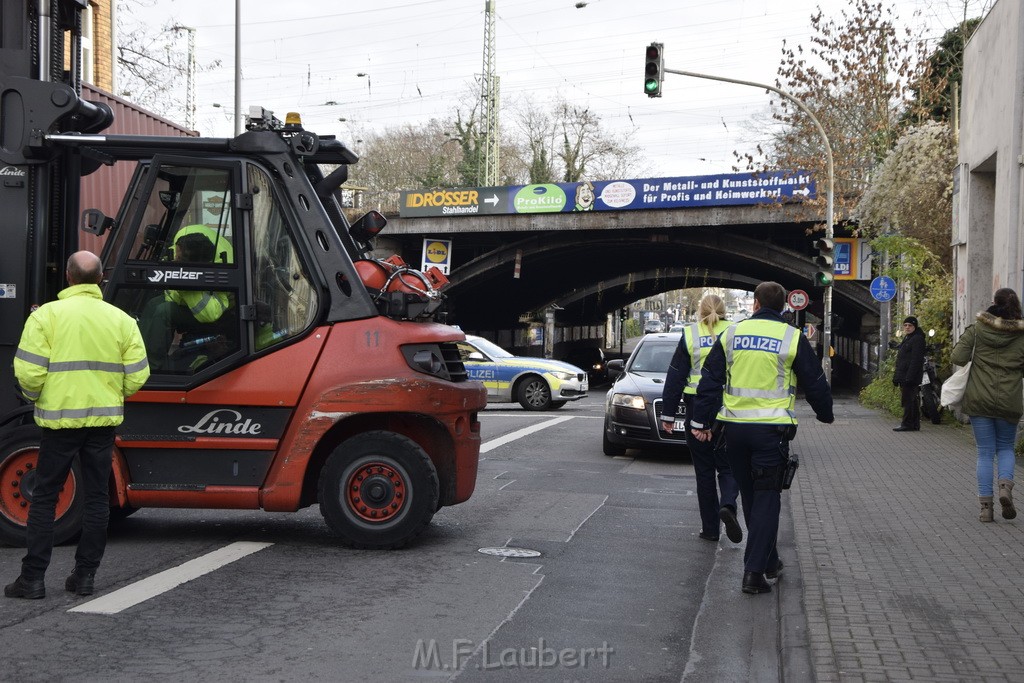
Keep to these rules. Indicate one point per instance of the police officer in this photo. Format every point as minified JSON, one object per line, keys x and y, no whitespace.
{"x":749,"y":379}
{"x":78,"y":358}
{"x":681,"y":381}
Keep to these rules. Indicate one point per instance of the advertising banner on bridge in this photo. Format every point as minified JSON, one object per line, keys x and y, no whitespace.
{"x":613,"y":195}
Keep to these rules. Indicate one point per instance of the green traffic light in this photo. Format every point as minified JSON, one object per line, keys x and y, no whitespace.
{"x":823,"y":278}
{"x":651,"y":85}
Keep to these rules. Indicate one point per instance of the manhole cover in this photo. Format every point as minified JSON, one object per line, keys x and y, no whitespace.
{"x":510,"y":552}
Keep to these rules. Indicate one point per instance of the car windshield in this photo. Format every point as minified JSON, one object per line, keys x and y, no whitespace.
{"x":490,"y":348}
{"x":653,"y":356}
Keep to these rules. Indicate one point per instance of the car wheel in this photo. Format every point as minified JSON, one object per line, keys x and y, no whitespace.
{"x":378,"y":490}
{"x":533,"y":393}
{"x":19,"y":455}
{"x":610,"y":449}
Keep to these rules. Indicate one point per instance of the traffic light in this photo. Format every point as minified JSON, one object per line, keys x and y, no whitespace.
{"x":825,"y":260}
{"x":623,"y":314}
{"x":654,"y":69}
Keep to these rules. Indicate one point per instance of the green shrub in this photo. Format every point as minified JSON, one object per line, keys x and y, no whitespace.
{"x":880,"y":394}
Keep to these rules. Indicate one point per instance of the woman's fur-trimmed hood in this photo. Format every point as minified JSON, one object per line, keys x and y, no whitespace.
{"x":1000,"y":324}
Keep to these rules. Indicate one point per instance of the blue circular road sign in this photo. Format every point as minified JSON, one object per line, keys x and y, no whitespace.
{"x":883,"y":288}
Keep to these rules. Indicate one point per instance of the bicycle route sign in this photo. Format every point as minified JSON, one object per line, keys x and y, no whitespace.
{"x":883,"y":288}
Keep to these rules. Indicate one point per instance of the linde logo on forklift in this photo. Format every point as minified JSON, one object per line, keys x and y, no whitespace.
{"x":12,"y":171}
{"x":212,"y":423}
{"x":177,"y":274}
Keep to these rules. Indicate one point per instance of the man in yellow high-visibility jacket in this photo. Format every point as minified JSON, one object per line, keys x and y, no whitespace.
{"x":749,"y":379}
{"x":78,"y":359}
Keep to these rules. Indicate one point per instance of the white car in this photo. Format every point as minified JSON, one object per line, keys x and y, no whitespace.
{"x":536,"y":383}
{"x":653,"y":326}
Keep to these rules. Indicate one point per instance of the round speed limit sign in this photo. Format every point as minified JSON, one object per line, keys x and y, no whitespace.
{"x":798,"y":300}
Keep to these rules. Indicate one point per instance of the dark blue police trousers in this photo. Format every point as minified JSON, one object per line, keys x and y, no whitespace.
{"x":756,"y":453}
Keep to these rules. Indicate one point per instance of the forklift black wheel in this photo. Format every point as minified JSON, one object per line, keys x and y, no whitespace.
{"x":533,"y":393}
{"x":19,"y":453}
{"x":378,"y":490}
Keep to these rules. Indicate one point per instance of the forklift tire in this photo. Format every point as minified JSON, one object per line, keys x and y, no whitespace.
{"x":533,"y":393}
{"x":19,"y":453}
{"x":378,"y":491}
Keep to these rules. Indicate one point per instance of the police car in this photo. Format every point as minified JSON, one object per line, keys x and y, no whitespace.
{"x":536,"y":383}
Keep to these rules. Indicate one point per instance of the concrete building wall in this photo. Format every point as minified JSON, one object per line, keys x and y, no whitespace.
{"x":987,"y":234}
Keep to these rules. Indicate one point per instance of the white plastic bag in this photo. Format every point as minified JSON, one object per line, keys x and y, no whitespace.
{"x":953,"y":388}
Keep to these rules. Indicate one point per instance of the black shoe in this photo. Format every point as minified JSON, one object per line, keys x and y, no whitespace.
{"x":753,"y":583}
{"x":81,"y":584}
{"x":732,"y":525}
{"x":906,"y":429}
{"x":774,"y":573}
{"x":30,"y":589}
{"x":709,"y":536}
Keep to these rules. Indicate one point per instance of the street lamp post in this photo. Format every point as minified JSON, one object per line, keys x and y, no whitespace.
{"x":826,"y":337}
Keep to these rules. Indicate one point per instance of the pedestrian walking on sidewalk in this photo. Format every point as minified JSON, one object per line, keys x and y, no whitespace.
{"x":748,"y":384}
{"x":77,"y":360}
{"x":707,"y":456}
{"x":994,"y":346}
{"x":908,"y":374}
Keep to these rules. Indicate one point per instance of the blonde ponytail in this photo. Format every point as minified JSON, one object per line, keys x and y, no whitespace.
{"x":711,"y":310}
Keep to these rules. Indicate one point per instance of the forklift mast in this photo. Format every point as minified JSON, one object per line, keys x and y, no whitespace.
{"x":40,"y":84}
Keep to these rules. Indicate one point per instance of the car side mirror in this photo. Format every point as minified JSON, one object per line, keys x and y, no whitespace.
{"x":616,"y":366}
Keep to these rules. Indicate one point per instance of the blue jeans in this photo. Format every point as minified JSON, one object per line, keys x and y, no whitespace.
{"x":995,"y":439}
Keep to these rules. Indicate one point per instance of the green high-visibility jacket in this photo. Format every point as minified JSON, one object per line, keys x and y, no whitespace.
{"x":78,"y":359}
{"x":700,"y":346}
{"x":760,"y":386}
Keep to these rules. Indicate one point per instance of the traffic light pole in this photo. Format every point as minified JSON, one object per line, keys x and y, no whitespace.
{"x":826,"y":336}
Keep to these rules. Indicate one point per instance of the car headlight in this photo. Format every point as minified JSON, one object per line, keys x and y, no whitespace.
{"x":563,"y":376}
{"x":629,"y":401}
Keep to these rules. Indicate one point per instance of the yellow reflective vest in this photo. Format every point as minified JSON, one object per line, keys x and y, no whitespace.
{"x":760,"y":386}
{"x":206,"y":307}
{"x":698,"y":332}
{"x":78,"y":359}
{"x":222,"y":249}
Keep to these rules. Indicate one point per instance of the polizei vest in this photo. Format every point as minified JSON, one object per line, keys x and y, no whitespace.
{"x":760,"y":386}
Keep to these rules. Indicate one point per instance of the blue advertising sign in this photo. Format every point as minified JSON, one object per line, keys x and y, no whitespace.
{"x":883,"y":288}
{"x":613,"y":195}
{"x":843,"y":260}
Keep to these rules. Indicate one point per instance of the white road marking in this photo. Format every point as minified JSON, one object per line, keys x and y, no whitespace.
{"x":152,"y":586}
{"x":520,"y":433}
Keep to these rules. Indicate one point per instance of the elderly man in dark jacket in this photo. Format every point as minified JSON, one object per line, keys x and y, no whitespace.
{"x":909,"y":370}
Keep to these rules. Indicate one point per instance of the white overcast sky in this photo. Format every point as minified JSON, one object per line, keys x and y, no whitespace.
{"x":422,"y":56}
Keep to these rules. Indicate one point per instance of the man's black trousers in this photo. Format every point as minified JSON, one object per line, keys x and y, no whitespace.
{"x":57,"y":451}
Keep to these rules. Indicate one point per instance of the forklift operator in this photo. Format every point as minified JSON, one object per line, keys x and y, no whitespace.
{"x":190,"y":312}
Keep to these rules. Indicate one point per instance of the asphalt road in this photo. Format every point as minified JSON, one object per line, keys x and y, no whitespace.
{"x":622,"y":588}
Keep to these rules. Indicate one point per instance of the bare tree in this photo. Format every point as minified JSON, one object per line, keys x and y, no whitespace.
{"x":152,"y":67}
{"x":855,"y":76}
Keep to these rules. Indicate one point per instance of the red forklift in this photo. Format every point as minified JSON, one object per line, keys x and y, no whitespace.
{"x":326,"y":380}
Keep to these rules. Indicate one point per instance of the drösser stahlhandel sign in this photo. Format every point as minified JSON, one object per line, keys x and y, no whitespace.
{"x":612,"y":195}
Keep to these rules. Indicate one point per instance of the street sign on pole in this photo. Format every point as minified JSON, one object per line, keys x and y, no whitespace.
{"x":798,"y":300}
{"x":883,"y":288}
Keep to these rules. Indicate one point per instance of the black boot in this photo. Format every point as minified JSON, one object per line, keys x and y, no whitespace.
{"x":80,"y":583}
{"x":732,"y":525}
{"x":30,"y":589}
{"x":754,"y":582}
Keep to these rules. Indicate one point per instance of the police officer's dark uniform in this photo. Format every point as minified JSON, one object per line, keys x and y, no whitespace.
{"x":681,"y":383}
{"x":749,"y":379}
